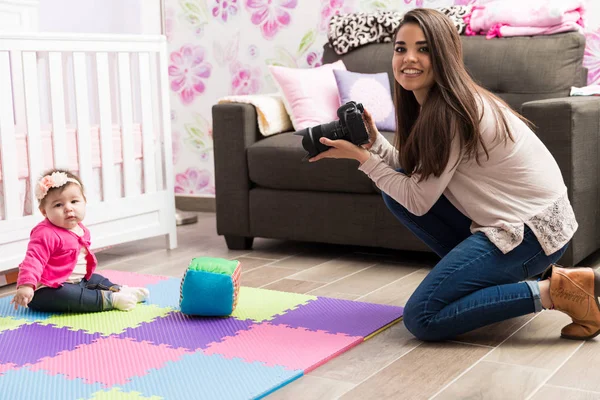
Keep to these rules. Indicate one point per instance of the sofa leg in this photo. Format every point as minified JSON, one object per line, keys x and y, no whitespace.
{"x":239,"y":242}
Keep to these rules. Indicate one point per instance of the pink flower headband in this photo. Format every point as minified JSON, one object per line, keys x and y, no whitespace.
{"x":54,"y":180}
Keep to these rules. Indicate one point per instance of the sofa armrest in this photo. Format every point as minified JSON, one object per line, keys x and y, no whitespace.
{"x":570,"y":128}
{"x":235,"y":128}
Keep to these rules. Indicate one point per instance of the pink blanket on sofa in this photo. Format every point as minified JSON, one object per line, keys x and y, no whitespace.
{"x":523,"y":18}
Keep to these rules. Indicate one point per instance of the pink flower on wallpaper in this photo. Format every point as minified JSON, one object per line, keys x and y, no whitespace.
{"x":187,"y":70}
{"x":329,"y":8}
{"x":169,"y":23}
{"x":245,"y":80}
{"x":193,"y":181}
{"x":176,"y":140}
{"x":224,"y":8}
{"x":418,"y":3}
{"x":271,"y":15}
{"x":591,"y":58}
{"x":314,"y":59}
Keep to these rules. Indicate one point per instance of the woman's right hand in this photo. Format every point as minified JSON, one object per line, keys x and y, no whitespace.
{"x":23,"y":297}
{"x":371,"y":129}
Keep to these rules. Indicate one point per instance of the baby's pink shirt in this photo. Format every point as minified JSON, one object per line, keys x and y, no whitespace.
{"x":52,"y":255}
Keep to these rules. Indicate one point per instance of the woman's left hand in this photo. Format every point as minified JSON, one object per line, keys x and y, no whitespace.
{"x":342,"y":149}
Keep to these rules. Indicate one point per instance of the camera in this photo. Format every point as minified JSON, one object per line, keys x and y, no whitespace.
{"x":350,"y":127}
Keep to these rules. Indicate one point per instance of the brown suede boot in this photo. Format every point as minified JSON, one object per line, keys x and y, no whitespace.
{"x":575,"y":292}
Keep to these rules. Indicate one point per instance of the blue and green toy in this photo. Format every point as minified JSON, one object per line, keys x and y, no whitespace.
{"x":210,"y":287}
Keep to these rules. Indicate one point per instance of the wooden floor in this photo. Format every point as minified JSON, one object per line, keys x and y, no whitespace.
{"x":522,"y":358}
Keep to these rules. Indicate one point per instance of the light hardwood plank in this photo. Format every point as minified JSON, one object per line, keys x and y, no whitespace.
{"x":420,"y":373}
{"x":249,"y":263}
{"x":398,"y":292}
{"x":582,"y":370}
{"x":494,"y":334}
{"x":325,"y":292}
{"x":293,"y":286}
{"x":371,"y":279}
{"x":488,"y":380}
{"x":369,"y":357}
{"x":537,"y":344}
{"x":264,"y":275}
{"x":549,"y":392}
{"x":334,"y":269}
{"x":304,"y":261}
{"x":311,"y":388}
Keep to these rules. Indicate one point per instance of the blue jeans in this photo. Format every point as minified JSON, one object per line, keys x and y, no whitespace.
{"x":86,"y":296}
{"x":474,"y":284}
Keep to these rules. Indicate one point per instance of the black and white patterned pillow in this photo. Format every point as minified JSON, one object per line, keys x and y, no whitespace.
{"x":350,"y":31}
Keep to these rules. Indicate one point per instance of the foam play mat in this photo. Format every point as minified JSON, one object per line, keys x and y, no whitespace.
{"x":156,"y":352}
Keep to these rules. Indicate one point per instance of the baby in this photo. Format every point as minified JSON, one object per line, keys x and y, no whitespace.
{"x":57,"y":274}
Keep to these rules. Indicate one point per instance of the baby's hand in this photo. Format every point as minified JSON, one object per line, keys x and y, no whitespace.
{"x":23,"y":296}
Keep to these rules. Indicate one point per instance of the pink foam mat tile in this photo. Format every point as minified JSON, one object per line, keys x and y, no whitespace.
{"x":130,"y":278}
{"x":7,"y":367}
{"x":282,"y":345}
{"x":109,"y":361}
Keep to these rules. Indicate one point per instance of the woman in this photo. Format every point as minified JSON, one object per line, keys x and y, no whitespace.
{"x":478,"y":187}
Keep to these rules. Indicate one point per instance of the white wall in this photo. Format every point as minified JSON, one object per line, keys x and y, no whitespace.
{"x":100,"y":16}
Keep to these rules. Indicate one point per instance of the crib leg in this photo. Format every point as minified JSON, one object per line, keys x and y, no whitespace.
{"x":171,"y":240}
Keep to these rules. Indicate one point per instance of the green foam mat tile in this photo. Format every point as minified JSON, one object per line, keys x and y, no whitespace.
{"x":263,"y":305}
{"x":108,"y":322}
{"x":118,"y":394}
{"x":8,"y":323}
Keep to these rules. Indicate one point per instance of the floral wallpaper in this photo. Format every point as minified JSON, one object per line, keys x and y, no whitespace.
{"x":222,"y":47}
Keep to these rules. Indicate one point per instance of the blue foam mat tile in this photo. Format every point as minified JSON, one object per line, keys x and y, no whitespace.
{"x":8,"y":310}
{"x":165,"y":293}
{"x":23,"y":384}
{"x":211,"y":377}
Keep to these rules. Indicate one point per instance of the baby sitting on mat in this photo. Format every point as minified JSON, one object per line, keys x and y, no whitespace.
{"x":57,"y":274}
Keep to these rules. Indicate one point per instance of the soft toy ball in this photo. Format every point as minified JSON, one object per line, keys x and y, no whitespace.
{"x":210,"y":287}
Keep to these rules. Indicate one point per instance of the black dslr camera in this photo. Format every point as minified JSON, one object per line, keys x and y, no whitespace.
{"x":350,"y":127}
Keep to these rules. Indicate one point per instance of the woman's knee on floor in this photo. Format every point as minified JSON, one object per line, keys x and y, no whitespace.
{"x":417,"y":321}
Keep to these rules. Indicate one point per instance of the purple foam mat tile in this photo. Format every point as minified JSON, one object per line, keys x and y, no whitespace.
{"x":30,"y":343}
{"x":179,"y":330}
{"x":353,"y":318}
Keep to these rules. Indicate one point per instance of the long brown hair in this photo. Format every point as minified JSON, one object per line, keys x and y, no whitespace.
{"x":424,"y":133}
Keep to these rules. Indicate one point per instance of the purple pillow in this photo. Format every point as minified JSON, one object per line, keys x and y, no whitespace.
{"x":373,"y":91}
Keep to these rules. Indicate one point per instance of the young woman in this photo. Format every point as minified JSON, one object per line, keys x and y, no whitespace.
{"x":470,"y":178}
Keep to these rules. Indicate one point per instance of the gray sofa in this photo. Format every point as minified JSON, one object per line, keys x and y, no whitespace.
{"x":264,"y":189}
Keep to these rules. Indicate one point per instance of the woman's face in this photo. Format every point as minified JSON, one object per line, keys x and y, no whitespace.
{"x":412,"y":62}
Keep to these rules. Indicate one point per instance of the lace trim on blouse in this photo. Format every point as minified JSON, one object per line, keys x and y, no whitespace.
{"x":553,"y":227}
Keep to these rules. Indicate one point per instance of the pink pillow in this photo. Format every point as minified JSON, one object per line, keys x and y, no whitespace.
{"x":310,"y":95}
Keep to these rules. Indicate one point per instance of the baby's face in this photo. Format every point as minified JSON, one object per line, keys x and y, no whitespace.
{"x":65,"y":209}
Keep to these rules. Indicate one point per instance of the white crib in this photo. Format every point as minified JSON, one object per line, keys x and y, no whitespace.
{"x":97,"y":105}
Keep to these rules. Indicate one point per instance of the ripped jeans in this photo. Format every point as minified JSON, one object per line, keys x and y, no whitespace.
{"x":474,"y":284}
{"x":86,"y":296}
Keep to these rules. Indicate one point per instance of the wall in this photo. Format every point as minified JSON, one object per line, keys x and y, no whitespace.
{"x":100,"y":16}
{"x":222,"y":47}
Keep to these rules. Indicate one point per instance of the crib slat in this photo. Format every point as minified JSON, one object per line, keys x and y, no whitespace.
{"x":106,"y":138}
{"x":147,"y":124}
{"x":34,"y":137}
{"x":155,"y":91}
{"x":8,"y":145}
{"x":126,"y":123}
{"x":57,"y":101}
{"x":84,"y":144}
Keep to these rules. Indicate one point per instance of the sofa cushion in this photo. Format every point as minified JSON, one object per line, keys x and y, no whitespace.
{"x":517,"y":69}
{"x":277,"y":162}
{"x":310,"y":95}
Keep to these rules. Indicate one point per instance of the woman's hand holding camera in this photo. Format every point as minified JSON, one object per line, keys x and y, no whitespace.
{"x":342,"y":149}
{"x":371,"y":129}
{"x":348,"y":150}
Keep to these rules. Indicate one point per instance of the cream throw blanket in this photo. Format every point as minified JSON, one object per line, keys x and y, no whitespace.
{"x":272,"y":116}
